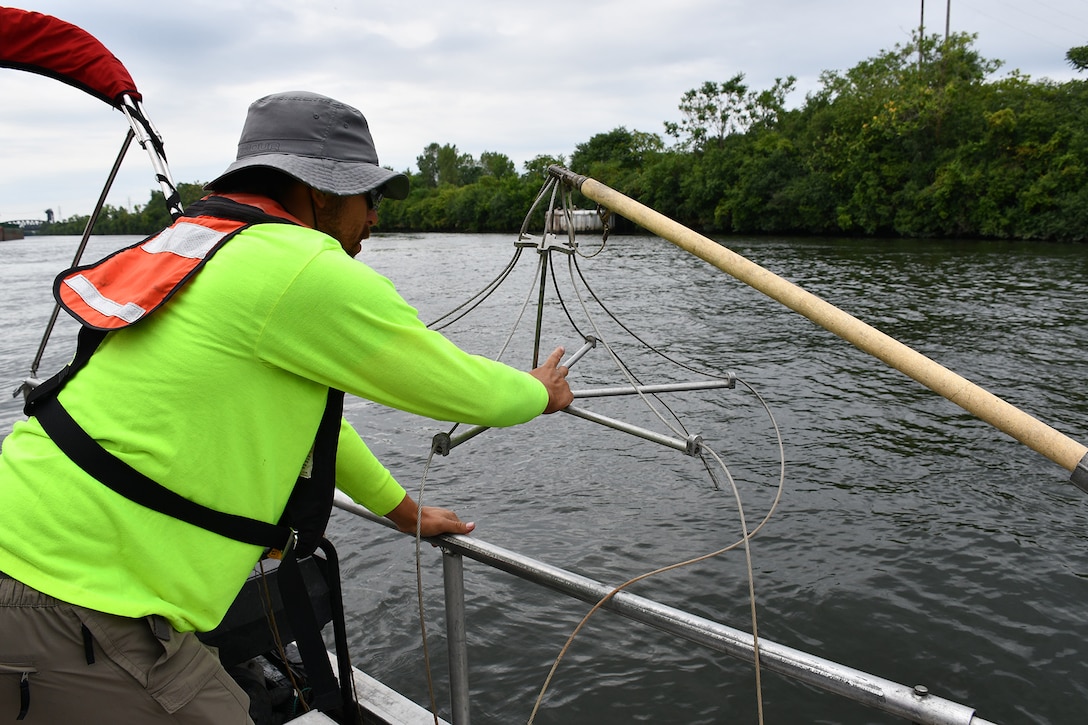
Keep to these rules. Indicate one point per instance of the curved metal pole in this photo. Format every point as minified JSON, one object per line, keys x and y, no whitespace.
{"x":1040,"y":437}
{"x":83,"y":244}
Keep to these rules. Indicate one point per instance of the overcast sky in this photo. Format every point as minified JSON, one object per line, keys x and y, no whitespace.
{"x":513,"y":77}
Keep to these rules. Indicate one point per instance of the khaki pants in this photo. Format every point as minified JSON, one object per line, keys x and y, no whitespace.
{"x":136,"y":677}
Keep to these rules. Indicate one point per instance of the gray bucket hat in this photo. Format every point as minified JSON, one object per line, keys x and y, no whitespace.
{"x":318,"y":140}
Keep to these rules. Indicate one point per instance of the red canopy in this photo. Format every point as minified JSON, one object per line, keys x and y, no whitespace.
{"x":43,"y":44}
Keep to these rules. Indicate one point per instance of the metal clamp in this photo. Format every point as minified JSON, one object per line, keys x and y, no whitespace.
{"x":441,"y":444}
{"x":694,"y":445}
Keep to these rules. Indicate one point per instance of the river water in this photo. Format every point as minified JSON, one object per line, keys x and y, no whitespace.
{"x":911,"y":541}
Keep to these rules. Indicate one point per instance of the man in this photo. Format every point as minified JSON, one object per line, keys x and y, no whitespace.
{"x":214,"y":389}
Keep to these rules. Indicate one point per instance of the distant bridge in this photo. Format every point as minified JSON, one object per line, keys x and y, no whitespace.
{"x":27,"y":224}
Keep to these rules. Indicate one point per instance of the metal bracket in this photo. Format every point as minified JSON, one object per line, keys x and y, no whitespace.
{"x":24,"y":389}
{"x":547,"y":243}
{"x":1080,"y":474}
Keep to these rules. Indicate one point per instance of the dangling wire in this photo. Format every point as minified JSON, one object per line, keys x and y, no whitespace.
{"x":748,"y":535}
{"x":509,"y":337}
{"x":684,"y":432}
{"x":630,"y":374}
{"x":633,"y":334}
{"x":568,"y":215}
{"x":549,"y":185}
{"x":625,"y":370}
{"x":277,"y":639}
{"x":477,"y":299}
{"x":573,"y":263}
{"x":419,"y":587}
{"x":562,"y":303}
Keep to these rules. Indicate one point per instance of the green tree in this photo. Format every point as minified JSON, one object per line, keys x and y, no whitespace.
{"x":885,"y":126}
{"x":619,"y":147}
{"x":1078,"y":57}
{"x":716,"y":110}
{"x":427,"y":162}
{"x":444,"y":164}
{"x":617,"y":158}
{"x":536,"y":168}
{"x":491,"y":197}
{"x":495,"y":164}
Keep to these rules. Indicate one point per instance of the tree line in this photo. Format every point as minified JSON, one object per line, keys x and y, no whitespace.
{"x":919,"y":141}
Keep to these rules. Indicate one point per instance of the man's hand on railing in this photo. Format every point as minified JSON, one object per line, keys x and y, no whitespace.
{"x":433,"y":521}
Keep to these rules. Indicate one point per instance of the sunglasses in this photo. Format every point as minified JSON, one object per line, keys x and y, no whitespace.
{"x":374,"y":198}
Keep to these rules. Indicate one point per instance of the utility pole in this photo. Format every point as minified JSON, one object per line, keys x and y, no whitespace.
{"x":921,"y":33}
{"x":922,"y":26}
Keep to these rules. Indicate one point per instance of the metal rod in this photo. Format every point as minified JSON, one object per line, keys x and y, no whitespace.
{"x":83,"y":244}
{"x":689,"y":446}
{"x":914,"y":703}
{"x":591,"y":342}
{"x":545,"y":255}
{"x":470,"y":433}
{"x":652,"y":389}
{"x":453,"y":577}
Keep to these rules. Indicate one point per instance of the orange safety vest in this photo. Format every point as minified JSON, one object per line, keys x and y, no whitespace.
{"x":130,"y":284}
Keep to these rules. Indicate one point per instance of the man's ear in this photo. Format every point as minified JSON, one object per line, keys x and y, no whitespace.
{"x":319,"y":198}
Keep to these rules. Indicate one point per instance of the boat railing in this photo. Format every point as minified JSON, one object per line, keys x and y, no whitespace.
{"x":913,"y":703}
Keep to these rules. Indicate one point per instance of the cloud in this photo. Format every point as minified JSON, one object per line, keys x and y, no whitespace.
{"x":517,"y":78}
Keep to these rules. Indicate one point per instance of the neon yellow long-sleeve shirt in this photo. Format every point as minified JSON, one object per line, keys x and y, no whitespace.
{"x":217,"y":396}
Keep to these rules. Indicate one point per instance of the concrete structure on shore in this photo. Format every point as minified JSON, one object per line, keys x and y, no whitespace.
{"x":582,"y":220}
{"x":10,"y":232}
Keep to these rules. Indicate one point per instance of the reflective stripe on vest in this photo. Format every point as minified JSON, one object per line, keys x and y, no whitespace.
{"x":125,"y":287}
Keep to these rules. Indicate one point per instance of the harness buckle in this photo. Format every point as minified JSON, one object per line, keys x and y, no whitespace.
{"x":289,"y":545}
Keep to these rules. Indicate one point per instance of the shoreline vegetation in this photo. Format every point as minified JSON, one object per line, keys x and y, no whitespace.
{"x":921,"y":141}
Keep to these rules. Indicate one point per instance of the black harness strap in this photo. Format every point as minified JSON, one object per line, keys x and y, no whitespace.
{"x":135,"y":486}
{"x":87,"y":342}
{"x":324,"y":692}
{"x":309,"y":499}
{"x":122,"y":478}
{"x":309,"y":505}
{"x":350,"y":711}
